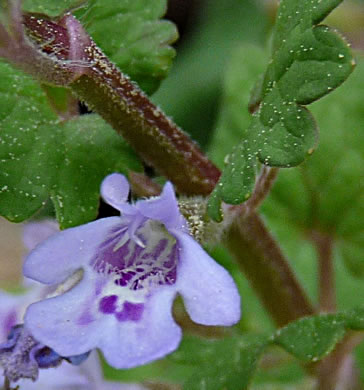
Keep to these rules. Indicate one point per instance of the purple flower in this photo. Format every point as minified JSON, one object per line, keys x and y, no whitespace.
{"x":13,"y":306}
{"x":21,"y":355}
{"x":133,"y":267}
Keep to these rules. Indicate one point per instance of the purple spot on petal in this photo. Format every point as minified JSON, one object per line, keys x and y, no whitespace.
{"x":107,"y":304}
{"x":131,"y":312}
{"x":125,"y":278}
{"x":171,"y":276}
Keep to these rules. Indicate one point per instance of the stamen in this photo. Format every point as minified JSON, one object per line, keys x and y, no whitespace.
{"x":124,"y":239}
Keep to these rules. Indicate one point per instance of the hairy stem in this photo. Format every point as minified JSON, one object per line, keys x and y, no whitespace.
{"x":122,"y":104}
{"x":147,"y":129}
{"x":267,"y":269}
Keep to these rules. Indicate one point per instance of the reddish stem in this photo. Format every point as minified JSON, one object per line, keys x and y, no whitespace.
{"x":142,"y":185}
{"x":121,"y":103}
{"x":147,"y":129}
{"x":327,"y":295}
{"x":267,"y":269}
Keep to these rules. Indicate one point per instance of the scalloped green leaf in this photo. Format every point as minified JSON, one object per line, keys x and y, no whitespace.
{"x":308,"y":62}
{"x":50,"y":7}
{"x":246,"y":64}
{"x":237,"y":179}
{"x":132,"y":35}
{"x":308,"y":66}
{"x":41,"y":156}
{"x":230,"y":364}
{"x":327,"y":192}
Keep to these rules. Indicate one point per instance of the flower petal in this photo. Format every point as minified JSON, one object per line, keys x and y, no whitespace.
{"x":36,"y":232}
{"x":55,"y":322}
{"x":91,"y":369}
{"x":209,"y":292}
{"x":163,"y":208}
{"x":62,"y":254}
{"x":63,"y":377}
{"x":115,"y":190}
{"x":133,"y":343}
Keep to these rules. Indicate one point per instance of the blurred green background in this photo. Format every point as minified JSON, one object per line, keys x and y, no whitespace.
{"x":223,"y":48}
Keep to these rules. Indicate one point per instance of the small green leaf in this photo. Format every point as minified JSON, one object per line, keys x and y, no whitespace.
{"x":89,"y":150}
{"x":308,"y":62}
{"x":230,"y":363}
{"x":214,"y":205}
{"x":293,"y":13}
{"x":286,"y":132}
{"x":132,"y":35}
{"x":238,"y":179}
{"x":41,"y":156}
{"x":310,"y":339}
{"x":308,"y":66}
{"x":247,"y":63}
{"x":327,"y":192}
{"x":50,"y":7}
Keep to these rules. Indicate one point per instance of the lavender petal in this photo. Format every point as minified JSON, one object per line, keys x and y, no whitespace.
{"x":62,"y":254}
{"x":209,"y":292}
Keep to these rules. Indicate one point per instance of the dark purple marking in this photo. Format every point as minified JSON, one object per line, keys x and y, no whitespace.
{"x":172,"y":258}
{"x":107,"y":304}
{"x":125,"y":278}
{"x":171,"y":276}
{"x":131,"y":312}
{"x":157,"y":251}
{"x":105,"y":254}
{"x":135,"y":255}
{"x":159,"y":248}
